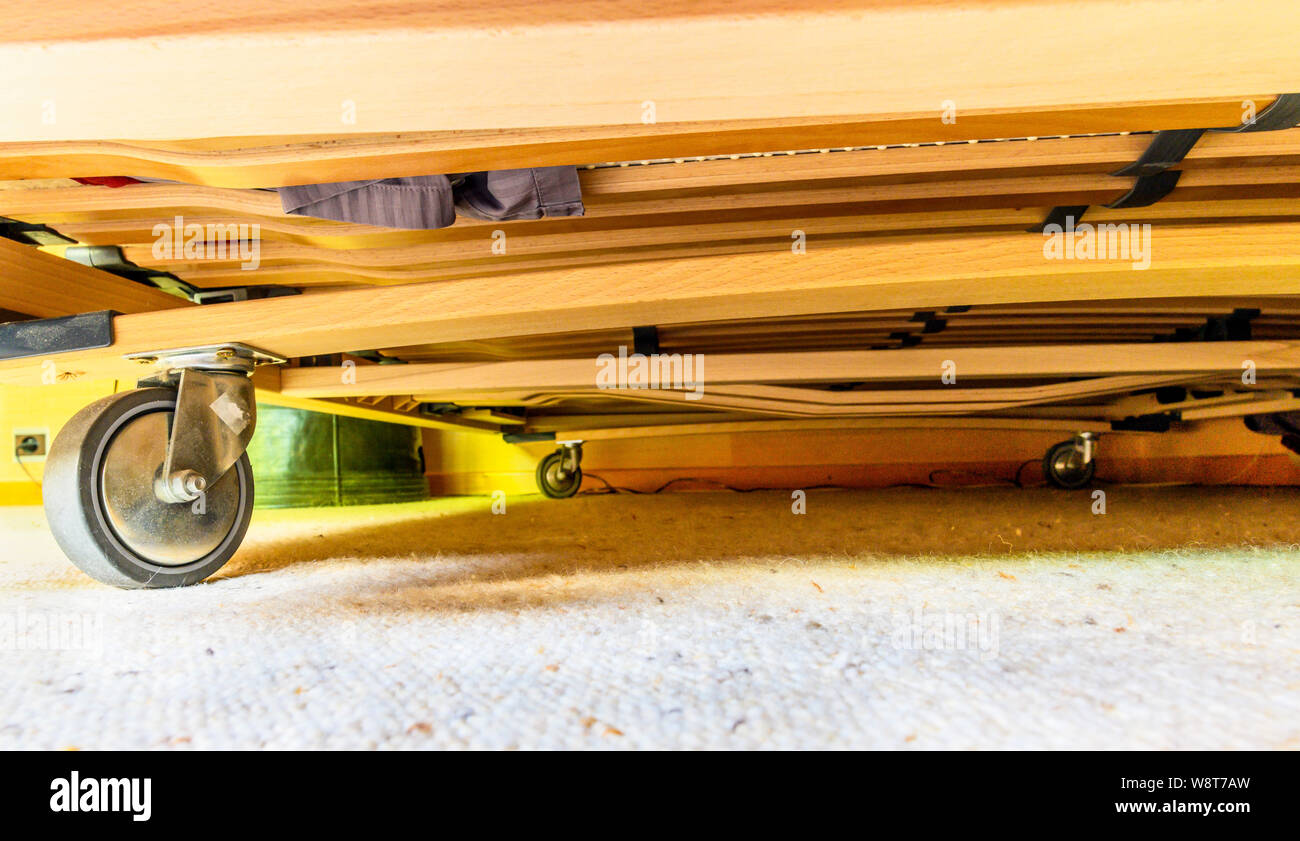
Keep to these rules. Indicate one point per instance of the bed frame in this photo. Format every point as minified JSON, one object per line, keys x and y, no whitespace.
{"x":833,"y":265}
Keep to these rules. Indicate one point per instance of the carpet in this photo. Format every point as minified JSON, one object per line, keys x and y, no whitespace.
{"x":904,"y":618}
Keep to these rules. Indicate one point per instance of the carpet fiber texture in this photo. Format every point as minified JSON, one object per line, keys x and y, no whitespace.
{"x":905,"y":618}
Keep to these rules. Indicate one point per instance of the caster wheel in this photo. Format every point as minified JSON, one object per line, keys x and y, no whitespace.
{"x":552,"y":483}
{"x":1064,"y":466}
{"x":100,"y":503}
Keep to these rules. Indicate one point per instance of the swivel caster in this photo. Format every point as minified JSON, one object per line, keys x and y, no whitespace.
{"x":559,"y":475}
{"x":1070,"y":464}
{"x":152,"y":487}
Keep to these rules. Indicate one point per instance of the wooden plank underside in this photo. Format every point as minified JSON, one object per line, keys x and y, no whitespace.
{"x":841,"y":210}
{"x":1098,"y":154}
{"x":1248,"y":405}
{"x":930,"y":272}
{"x":711,"y":64}
{"x":537,"y":243}
{"x":1064,"y":426}
{"x":818,"y":235}
{"x":1075,"y":323}
{"x":912,"y":364}
{"x":694,"y":209}
{"x":45,"y":286}
{"x":283,"y":161}
{"x":1099,"y":407}
{"x":474,"y":260}
{"x":630,"y":190}
{"x":383,"y":413}
{"x":266,"y":381}
{"x":293,"y":265}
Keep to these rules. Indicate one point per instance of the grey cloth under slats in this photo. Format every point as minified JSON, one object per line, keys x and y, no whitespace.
{"x":431,"y":201}
{"x":520,"y":193}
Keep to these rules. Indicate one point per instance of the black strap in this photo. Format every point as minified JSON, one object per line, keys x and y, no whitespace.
{"x":1155,"y":179}
{"x":40,"y":337}
{"x":1283,"y":112}
{"x":1168,"y":148}
{"x":645,"y":340}
{"x":905,"y":339}
{"x":1233,"y":327}
{"x":1062,"y":216}
{"x":1148,"y":189}
{"x":930,"y":323}
{"x":29,"y":234}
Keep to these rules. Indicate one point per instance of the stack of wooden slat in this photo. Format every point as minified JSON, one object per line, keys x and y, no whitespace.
{"x":741,"y":198}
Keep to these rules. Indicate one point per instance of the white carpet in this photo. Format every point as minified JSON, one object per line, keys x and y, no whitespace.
{"x":595,"y":623}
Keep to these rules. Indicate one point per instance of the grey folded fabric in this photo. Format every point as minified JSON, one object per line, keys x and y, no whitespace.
{"x":431,"y":201}
{"x":425,"y":201}
{"x":506,"y":194}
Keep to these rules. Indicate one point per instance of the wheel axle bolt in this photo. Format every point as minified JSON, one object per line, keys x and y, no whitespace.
{"x":191,"y":482}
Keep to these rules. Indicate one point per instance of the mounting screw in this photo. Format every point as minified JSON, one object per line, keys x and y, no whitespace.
{"x":146,"y":360}
{"x":226,"y":353}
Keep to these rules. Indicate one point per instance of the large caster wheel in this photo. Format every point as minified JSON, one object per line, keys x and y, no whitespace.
{"x":1068,"y":466}
{"x":101,"y":507}
{"x":559,"y":475}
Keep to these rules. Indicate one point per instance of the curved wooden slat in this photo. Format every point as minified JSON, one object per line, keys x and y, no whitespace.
{"x":790,"y":61}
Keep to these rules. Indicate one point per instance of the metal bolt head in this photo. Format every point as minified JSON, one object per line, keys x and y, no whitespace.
{"x":180,"y":486}
{"x":190,"y":482}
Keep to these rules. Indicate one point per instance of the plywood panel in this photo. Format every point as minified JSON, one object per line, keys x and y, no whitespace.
{"x":720,"y":62}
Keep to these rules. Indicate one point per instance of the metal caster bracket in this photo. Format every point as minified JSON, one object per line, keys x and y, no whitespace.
{"x":216,"y":413}
{"x":1087,"y":444}
{"x":570,"y":458}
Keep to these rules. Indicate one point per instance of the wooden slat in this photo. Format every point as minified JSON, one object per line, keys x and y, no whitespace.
{"x":915,"y":364}
{"x":266,"y":381}
{"x":1098,"y":154}
{"x":931,"y":272}
{"x":45,"y":286}
{"x":458,"y":258}
{"x":615,"y":190}
{"x":308,"y":274}
{"x":277,"y":162}
{"x":1064,"y":426}
{"x":792,"y":61}
{"x":1279,"y":316}
{"x":331,"y":255}
{"x":555,"y":244}
{"x":1253,"y":407}
{"x":596,"y":232}
{"x":814,"y":403}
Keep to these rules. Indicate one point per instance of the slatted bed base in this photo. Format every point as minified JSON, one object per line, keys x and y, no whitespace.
{"x":814,"y":216}
{"x":828,"y":239}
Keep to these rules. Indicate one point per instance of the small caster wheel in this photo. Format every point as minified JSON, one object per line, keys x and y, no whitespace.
{"x":1069,"y":464}
{"x":559,"y":475}
{"x":101,"y":507}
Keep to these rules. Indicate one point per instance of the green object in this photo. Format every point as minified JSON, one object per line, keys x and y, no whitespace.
{"x":302,"y":459}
